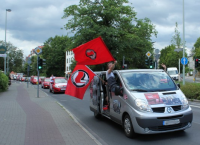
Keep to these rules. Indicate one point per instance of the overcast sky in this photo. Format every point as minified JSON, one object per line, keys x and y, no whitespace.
{"x":32,"y":22}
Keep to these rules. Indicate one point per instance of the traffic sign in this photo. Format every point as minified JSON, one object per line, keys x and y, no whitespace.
{"x":184,"y":61}
{"x":29,"y":60}
{"x":38,"y":50}
{"x":2,"y":49}
{"x":148,"y":54}
{"x":2,"y":55}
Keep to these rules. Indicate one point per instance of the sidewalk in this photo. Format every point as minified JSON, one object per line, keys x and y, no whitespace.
{"x":28,"y":120}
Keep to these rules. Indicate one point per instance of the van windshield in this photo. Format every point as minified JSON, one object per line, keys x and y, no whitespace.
{"x":172,"y":72}
{"x":148,"y":81}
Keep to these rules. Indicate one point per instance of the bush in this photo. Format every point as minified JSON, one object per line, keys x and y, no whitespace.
{"x":3,"y":82}
{"x":191,"y":90}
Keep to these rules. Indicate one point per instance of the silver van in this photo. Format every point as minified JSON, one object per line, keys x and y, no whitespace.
{"x":145,"y":102}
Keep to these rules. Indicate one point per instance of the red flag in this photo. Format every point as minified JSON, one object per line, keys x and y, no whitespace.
{"x":79,"y":81}
{"x":92,"y":53}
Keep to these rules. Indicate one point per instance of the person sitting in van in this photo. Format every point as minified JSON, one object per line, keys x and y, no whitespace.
{"x":164,"y":67}
{"x":111,"y":77}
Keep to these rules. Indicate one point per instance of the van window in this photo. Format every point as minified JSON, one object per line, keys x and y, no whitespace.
{"x":149,"y":81}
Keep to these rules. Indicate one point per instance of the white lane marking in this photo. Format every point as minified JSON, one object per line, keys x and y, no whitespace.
{"x":70,"y":114}
{"x":195,"y":106}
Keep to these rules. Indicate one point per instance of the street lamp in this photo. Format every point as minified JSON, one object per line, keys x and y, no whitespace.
{"x":183,"y":43}
{"x":7,"y":10}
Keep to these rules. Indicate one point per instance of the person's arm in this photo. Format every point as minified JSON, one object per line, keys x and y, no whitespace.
{"x":112,"y":67}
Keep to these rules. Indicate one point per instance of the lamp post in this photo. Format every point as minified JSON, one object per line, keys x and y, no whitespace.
{"x":7,"y":10}
{"x":183,"y":43}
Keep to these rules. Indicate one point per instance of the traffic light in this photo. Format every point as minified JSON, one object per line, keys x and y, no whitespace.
{"x":40,"y":63}
{"x":196,"y":62}
{"x":124,"y":66}
{"x":147,"y":62}
{"x":150,"y":63}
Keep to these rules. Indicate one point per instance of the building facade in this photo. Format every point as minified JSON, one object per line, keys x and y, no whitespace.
{"x":69,"y":56}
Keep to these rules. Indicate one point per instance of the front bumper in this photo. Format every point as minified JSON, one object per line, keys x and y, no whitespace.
{"x":155,"y":124}
{"x":46,"y":86}
{"x":58,"y":90}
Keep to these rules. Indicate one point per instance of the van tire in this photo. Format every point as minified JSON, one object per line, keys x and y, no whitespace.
{"x":97,"y":115}
{"x":128,"y":127}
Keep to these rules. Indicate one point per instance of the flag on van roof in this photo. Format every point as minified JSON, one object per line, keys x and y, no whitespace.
{"x":79,"y":81}
{"x":92,"y":53}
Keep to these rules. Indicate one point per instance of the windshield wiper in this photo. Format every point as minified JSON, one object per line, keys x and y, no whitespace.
{"x":139,"y":90}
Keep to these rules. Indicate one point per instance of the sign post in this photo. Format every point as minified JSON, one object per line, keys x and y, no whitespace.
{"x":28,"y":69}
{"x":38,"y":51}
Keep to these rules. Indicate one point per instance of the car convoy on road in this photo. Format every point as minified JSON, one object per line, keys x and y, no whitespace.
{"x":145,"y":101}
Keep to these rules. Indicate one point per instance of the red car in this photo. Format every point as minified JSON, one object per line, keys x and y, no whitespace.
{"x":22,"y":79}
{"x":59,"y":84}
{"x":45,"y":83}
{"x":34,"y":79}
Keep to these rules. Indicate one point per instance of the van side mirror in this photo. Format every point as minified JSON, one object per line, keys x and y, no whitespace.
{"x":179,"y":85}
{"x":118,"y":91}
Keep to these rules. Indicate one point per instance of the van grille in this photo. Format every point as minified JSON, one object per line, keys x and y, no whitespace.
{"x":162,"y":109}
{"x":168,"y":127}
{"x":159,"y":110}
{"x":176,"y":108}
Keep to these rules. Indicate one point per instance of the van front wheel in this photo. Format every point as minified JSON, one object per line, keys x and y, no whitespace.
{"x":128,"y":127}
{"x":97,"y":115}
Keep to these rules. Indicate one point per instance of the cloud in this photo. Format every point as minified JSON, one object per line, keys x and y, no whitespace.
{"x":31,"y":23}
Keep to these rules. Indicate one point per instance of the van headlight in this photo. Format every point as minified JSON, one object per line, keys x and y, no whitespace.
{"x":143,"y":105}
{"x":184,"y":102}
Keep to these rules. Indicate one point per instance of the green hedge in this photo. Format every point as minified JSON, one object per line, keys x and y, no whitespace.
{"x":3,"y":82}
{"x":191,"y":90}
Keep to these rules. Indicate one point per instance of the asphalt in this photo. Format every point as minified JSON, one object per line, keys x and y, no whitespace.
{"x":26,"y":119}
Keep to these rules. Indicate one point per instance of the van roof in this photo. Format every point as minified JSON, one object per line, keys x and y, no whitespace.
{"x":171,"y":68}
{"x":136,"y":70}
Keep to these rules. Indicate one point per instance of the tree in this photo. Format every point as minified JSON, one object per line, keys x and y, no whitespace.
{"x":15,"y":57}
{"x":116,"y":23}
{"x":176,"y":39}
{"x":54,"y":52}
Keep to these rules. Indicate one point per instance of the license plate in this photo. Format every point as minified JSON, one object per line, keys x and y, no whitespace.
{"x":171,"y":122}
{"x":63,"y":89}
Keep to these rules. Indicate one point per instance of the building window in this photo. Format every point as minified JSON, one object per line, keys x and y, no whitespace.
{"x":67,"y":60}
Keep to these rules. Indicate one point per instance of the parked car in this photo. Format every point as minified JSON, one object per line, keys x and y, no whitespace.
{"x":22,"y":79}
{"x":45,"y":83}
{"x":40,"y":79}
{"x":27,"y":79}
{"x":34,"y":79}
{"x":18,"y":78}
{"x":59,"y":84}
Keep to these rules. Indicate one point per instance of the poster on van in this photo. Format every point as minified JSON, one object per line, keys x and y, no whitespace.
{"x":154,"y":99}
